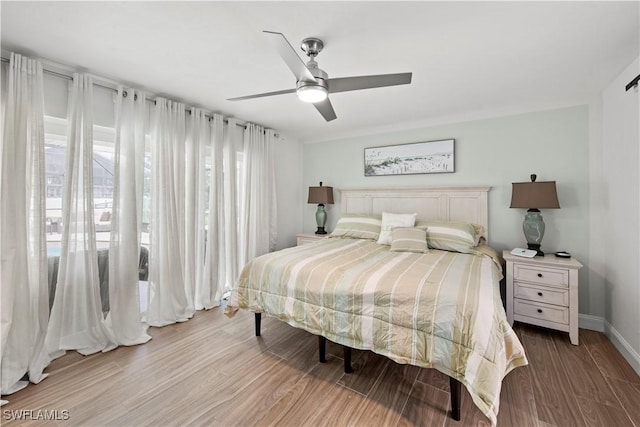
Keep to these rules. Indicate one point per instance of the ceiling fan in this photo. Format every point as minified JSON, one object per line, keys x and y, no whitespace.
{"x":313,"y":85}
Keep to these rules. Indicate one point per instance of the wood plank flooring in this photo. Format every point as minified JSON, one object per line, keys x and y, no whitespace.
{"x":213,"y":371}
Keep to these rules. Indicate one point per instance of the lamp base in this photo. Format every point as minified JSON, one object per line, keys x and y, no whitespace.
{"x":534,"y":247}
{"x":533,"y":227}
{"x":321,"y":219}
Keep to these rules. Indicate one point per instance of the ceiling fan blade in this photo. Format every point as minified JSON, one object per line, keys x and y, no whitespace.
{"x":261,"y":95}
{"x":345,"y":84}
{"x":326,"y":109}
{"x":290,"y":57}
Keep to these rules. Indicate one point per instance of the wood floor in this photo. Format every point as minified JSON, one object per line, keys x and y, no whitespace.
{"x":213,"y":371}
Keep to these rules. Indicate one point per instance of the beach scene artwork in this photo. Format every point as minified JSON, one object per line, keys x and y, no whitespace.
{"x":413,"y":158}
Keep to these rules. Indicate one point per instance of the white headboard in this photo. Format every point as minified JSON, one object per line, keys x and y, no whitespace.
{"x":465,"y":204}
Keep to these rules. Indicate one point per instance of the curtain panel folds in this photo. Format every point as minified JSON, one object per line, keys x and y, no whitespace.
{"x":76,"y":321}
{"x":230,"y":190}
{"x":168,"y":301}
{"x":197,"y":132}
{"x":23,"y":253}
{"x":124,"y":247}
{"x":193,"y":221}
{"x":258,"y":231}
{"x":211,"y":244}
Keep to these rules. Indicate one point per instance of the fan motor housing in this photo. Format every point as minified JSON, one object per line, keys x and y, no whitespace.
{"x":319,"y":82}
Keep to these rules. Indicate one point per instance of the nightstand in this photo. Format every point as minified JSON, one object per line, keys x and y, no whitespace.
{"x":304,"y":238}
{"x":543,"y":291}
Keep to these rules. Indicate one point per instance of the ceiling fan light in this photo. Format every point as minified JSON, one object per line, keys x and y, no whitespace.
{"x":312,"y":94}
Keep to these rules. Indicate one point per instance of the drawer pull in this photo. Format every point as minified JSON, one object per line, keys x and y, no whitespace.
{"x":539,"y":294}
{"x":539,"y":310}
{"x":539,"y":274}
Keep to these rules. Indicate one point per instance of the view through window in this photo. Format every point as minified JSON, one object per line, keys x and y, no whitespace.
{"x":103,"y":184}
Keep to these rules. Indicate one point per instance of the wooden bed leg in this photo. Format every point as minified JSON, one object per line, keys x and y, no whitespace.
{"x":322,"y":347}
{"x":347,"y":359}
{"x":455,"y":387}
{"x":258,"y":317}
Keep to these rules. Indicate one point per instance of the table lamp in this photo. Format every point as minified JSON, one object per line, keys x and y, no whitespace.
{"x":534,"y":196}
{"x":322,"y":196}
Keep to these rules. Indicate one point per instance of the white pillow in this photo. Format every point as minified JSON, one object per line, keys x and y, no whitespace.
{"x":390,"y":220}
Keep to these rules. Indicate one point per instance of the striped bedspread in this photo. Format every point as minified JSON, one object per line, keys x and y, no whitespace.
{"x":438,"y":310}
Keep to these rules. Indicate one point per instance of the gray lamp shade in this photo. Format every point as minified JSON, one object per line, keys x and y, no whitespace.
{"x":321,"y":195}
{"x":534,"y":195}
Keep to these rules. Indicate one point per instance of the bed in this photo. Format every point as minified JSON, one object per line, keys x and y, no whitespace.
{"x":440,"y":309}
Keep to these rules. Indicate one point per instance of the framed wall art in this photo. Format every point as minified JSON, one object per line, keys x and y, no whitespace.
{"x":412,"y":158}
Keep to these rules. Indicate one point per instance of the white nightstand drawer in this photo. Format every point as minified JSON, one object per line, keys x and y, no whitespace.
{"x":542,"y":275}
{"x":541,"y":294}
{"x":541,"y":311}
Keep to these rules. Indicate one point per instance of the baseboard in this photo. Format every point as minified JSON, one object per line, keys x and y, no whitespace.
{"x":623,"y":347}
{"x":593,"y":323}
{"x":599,"y":324}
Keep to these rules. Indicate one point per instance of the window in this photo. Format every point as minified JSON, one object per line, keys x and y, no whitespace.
{"x":55,"y":170}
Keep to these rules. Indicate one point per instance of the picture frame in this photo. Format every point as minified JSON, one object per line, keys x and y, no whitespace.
{"x":410,"y":159}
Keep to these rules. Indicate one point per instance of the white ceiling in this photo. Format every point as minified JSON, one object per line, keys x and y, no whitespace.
{"x":469,"y":59}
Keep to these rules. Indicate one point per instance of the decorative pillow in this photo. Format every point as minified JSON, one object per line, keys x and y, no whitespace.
{"x":391,"y":220}
{"x":357,"y":226}
{"x":477,"y":228}
{"x":405,"y":239}
{"x":451,"y":236}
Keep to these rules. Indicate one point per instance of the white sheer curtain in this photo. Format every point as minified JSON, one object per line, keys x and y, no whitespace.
{"x":189,"y":246}
{"x":194,"y":247}
{"x":168,"y":302}
{"x":124,"y":248}
{"x":197,"y":133}
{"x":198,"y":237}
{"x":258,"y":225}
{"x":231,"y":220}
{"x":76,"y":321}
{"x":211,"y":274}
{"x":23,"y":265}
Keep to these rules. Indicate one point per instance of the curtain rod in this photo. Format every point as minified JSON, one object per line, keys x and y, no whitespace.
{"x":61,"y":75}
{"x":67,"y":77}
{"x":632,"y":83}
